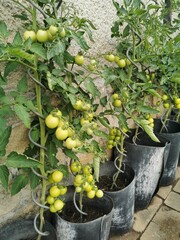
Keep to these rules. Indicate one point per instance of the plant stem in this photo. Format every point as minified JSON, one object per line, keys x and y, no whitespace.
{"x":165,"y":119}
{"x":42,"y":131}
{"x":120,"y":161}
{"x":80,"y":203}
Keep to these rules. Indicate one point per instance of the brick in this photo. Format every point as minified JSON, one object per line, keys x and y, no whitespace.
{"x":164,"y":226}
{"x":173,"y":201}
{"x":177,"y":187}
{"x":164,"y":191}
{"x":142,"y":218}
{"x":128,"y":236}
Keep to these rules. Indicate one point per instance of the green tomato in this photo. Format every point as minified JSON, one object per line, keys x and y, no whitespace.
{"x":53,"y":30}
{"x":79,"y":59}
{"x":121,"y":63}
{"x":110,"y":57}
{"x":29,"y":34}
{"x":62,"y":33}
{"x":117,"y":103}
{"x":51,"y":121}
{"x":70,"y":143}
{"x":61,"y":134}
{"x":42,"y":36}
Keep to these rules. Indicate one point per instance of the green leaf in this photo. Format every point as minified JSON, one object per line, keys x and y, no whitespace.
{"x":22,"y":85}
{"x":91,"y":87}
{"x":4,"y":176}
{"x":17,"y":41}
{"x":122,"y":120}
{"x":96,"y":166}
{"x":103,"y":101}
{"x":51,"y":154}
{"x":23,"y":114}
{"x":38,"y":49}
{"x":10,"y":67}
{"x":100,"y":133}
{"x":146,"y":109}
{"x":4,"y":139}
{"x":154,"y":93}
{"x":56,"y":49}
{"x":16,"y":160}
{"x":80,"y":40}
{"x":149,"y":130}
{"x":64,"y":169}
{"x":69,"y":153}
{"x":104,"y":121}
{"x":3,"y":29}
{"x":34,"y":180}
{"x":19,"y":182}
{"x":17,"y":52}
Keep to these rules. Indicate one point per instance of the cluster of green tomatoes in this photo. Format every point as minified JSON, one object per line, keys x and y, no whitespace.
{"x":167,"y":101}
{"x":63,"y":131}
{"x":56,"y":191}
{"x":84,"y":181}
{"x":43,"y":36}
{"x":121,"y":62}
{"x":114,"y":136}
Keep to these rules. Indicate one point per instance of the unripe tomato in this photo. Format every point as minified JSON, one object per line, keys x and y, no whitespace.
{"x":58,"y":204}
{"x":116,"y":59}
{"x":29,"y":34}
{"x":50,"y":199}
{"x":150,"y":120}
{"x":86,"y":107}
{"x":52,"y":208}
{"x":84,"y":121}
{"x":128,"y":62}
{"x":53,"y":30}
{"x":89,"y":131}
{"x":57,"y":176}
{"x":124,"y":130}
{"x":115,"y":96}
{"x":51,"y":121}
{"x":91,"y":194}
{"x":166,"y":105}
{"x":78,"y":143}
{"x":99,"y":193}
{"x":54,"y":191}
{"x":91,"y":67}
{"x":164,"y":97}
{"x":63,"y":190}
{"x":79,"y":59}
{"x":75,"y":167}
{"x":70,"y":143}
{"x":42,"y":36}
{"x":70,"y":132}
{"x":117,"y":103}
{"x":93,"y":62}
{"x":110,"y":57}
{"x":151,"y":125}
{"x":177,"y":101}
{"x":62,"y":33}
{"x":78,"y":179}
{"x":178,"y":106}
{"x":78,"y":105}
{"x":78,"y":189}
{"x":50,"y":37}
{"x":87,"y":170}
{"x":61,"y":134}
{"x":89,"y":178}
{"x":121,"y":63}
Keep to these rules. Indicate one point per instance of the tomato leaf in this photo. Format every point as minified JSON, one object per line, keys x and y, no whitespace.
{"x":4,"y":176}
{"x":80,"y":40}
{"x":146,"y":109}
{"x":69,"y":153}
{"x":10,"y":67}
{"x":55,"y":49}
{"x":22,"y":85}
{"x":38,"y":49}
{"x":34,"y":180}
{"x":17,"y":41}
{"x":154,"y":93}
{"x":17,"y":52}
{"x":3,"y":29}
{"x":149,"y":130}
{"x":104,"y":121}
{"x":4,"y":139}
{"x":23,"y":114}
{"x":96,"y":166}
{"x":16,"y":160}
{"x":51,"y":154}
{"x":19,"y":182}
{"x":100,"y":133}
{"x":91,"y":87}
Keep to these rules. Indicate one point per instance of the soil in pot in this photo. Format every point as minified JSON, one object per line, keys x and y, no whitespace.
{"x":122,"y":194}
{"x":70,"y":226}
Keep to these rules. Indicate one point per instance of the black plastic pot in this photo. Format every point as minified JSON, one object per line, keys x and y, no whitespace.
{"x":147,"y":158}
{"x":97,"y":229}
{"x":24,"y":230}
{"x":123,"y":212}
{"x":171,"y":131}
